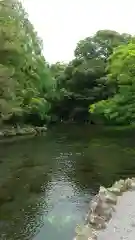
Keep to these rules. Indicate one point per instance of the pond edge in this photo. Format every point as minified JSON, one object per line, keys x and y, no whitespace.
{"x":101,"y":209}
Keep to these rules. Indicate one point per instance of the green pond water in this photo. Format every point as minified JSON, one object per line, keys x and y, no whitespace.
{"x":46,"y":183}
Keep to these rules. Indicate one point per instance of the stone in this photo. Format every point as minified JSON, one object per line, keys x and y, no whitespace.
{"x":40,"y":130}
{"x":22,"y":131}
{"x":97,"y":221}
{"x":107,"y":195}
{"x":94,"y":203}
{"x":9,"y":132}
{"x":115,"y":190}
{"x":101,"y":208}
{"x":104,"y":210}
{"x":1,"y":134}
{"x":130,"y":184}
{"x":85,"y":232}
{"x":27,"y":131}
{"x":118,"y":187}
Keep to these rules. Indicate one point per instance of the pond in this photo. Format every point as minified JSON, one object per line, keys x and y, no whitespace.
{"x":46,"y":183}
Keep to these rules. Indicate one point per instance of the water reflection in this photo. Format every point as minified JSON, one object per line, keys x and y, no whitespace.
{"x":46,"y":183}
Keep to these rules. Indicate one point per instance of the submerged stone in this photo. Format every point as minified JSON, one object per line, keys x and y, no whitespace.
{"x":85,"y":232}
{"x":96,"y":221}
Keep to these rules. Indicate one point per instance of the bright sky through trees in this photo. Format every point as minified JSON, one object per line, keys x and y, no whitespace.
{"x":62,"y":23}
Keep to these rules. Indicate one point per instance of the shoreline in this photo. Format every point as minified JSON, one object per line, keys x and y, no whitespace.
{"x":107,"y":211}
{"x":12,"y":133}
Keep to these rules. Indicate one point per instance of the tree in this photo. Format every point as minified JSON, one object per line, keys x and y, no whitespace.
{"x":21,"y":54}
{"x":101,"y":45}
{"x":84,"y":79}
{"x":34,"y":91}
{"x":120,"y":109}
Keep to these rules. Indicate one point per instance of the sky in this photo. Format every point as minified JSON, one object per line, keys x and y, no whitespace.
{"x":62,"y":23}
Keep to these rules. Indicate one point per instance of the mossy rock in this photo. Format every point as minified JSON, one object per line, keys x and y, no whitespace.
{"x":1,"y":134}
{"x":9,"y":133}
{"x":40,"y":130}
{"x":25,"y":131}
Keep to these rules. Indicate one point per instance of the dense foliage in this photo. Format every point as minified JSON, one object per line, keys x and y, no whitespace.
{"x":84,"y":80}
{"x":101,"y":75}
{"x":120,"y":108}
{"x":24,"y":75}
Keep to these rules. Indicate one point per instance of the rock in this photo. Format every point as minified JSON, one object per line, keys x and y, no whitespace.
{"x":104,"y":210}
{"x":127,"y":183}
{"x":107,"y":195}
{"x":29,"y":130}
{"x":118,"y":188}
{"x":1,"y":134}
{"x":130,"y":184}
{"x":44,"y":128}
{"x":80,"y":237}
{"x":101,"y":208}
{"x":94,"y":203}
{"x":111,"y":198}
{"x":40,"y":130}
{"x":115,"y":191}
{"x":121,"y":183}
{"x":25,"y":131}
{"x":85,"y":232}
{"x":9,"y":133}
{"x":97,"y":221}
{"x":18,"y":131}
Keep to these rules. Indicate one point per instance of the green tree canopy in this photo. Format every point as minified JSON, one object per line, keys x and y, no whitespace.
{"x":120,"y":109}
{"x":28,"y":76}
